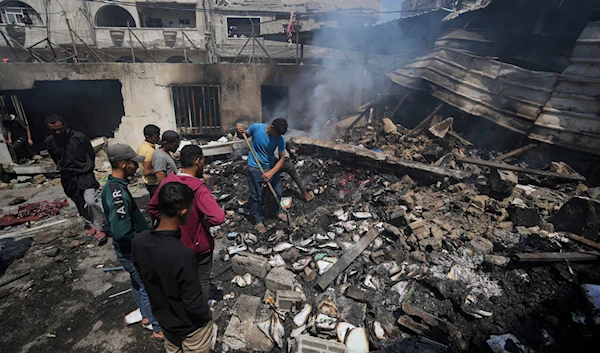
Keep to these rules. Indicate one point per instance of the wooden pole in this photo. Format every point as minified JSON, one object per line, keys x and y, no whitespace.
{"x":131,"y":43}
{"x":72,"y":41}
{"x":297,"y":41}
{"x":10,"y":46}
{"x":143,"y":46}
{"x":425,"y":121}
{"x":87,"y":46}
{"x":184,"y":49}
{"x":516,"y":152}
{"x":241,"y":50}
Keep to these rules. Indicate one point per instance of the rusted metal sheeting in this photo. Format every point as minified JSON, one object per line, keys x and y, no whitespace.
{"x":571,"y":117}
{"x":506,"y":94}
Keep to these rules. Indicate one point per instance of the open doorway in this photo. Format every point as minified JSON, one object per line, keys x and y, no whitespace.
{"x":92,"y":107}
{"x":275,"y":102}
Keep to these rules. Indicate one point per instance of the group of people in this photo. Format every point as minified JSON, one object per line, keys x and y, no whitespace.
{"x":170,"y":261}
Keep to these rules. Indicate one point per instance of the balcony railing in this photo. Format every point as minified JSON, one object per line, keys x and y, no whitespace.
{"x":153,"y":38}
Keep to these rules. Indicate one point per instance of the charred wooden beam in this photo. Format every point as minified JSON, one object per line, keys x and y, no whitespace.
{"x":377,"y":160}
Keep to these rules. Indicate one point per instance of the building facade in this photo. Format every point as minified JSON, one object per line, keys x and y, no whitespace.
{"x":200,"y":31}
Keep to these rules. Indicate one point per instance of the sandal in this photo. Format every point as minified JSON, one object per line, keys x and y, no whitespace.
{"x":91,"y":231}
{"x":101,"y":238}
{"x":260,"y":228}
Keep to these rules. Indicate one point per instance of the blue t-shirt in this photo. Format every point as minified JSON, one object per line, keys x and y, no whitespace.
{"x":264,"y":146}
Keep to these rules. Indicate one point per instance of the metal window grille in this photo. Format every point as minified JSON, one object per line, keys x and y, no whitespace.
{"x":197,"y":109}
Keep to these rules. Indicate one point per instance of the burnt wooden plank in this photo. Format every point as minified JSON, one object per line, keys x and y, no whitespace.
{"x":347,"y":259}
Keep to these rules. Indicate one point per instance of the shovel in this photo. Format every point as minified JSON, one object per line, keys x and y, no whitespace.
{"x":287,"y":213}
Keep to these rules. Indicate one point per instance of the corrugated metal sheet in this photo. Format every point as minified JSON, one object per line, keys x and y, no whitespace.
{"x":506,"y":94}
{"x":559,"y":109}
{"x":571,"y":117}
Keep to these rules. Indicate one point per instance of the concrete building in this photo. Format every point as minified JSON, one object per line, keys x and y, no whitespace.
{"x":117,"y":100}
{"x":201,"y":31}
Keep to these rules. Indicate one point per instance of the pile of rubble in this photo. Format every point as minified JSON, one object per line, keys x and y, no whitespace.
{"x":379,"y":259}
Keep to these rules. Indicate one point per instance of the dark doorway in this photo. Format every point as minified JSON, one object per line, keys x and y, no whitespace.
{"x":275,"y":102}
{"x":92,"y":107}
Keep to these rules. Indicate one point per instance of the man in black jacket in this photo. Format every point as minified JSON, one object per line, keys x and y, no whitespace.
{"x":74,"y":157}
{"x":169,"y":271}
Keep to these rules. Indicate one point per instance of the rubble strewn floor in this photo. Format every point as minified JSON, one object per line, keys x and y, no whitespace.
{"x":443,"y":263}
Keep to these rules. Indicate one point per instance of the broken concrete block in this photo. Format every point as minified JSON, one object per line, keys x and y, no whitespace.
{"x":502,"y":180}
{"x":354,"y":292}
{"x":40,"y":179}
{"x":580,"y":215}
{"x":478,"y":203}
{"x":310,"y":344}
{"x":245,"y":262}
{"x":288,"y":300}
{"x":52,"y":252}
{"x":378,"y":256}
{"x":419,"y":229}
{"x":441,"y":129}
{"x":497,"y":260}
{"x":459,"y":187}
{"x":482,"y":245}
{"x":308,"y":275}
{"x":279,"y":279}
{"x":418,"y":256}
{"x":430,"y":244}
{"x":524,"y":216}
{"x":389,"y":127}
{"x":438,"y":232}
{"x":242,"y":333}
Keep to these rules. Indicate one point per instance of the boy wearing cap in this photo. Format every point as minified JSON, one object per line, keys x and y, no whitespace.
{"x":125,"y":221}
{"x":162,"y":161}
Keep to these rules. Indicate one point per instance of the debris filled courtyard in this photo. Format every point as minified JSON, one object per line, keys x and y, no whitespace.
{"x":405,"y":248}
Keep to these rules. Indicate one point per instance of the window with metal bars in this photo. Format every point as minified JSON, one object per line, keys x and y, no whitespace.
{"x":197,"y":109}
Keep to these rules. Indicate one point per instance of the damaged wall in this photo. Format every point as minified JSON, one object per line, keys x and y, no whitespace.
{"x":147,"y":93}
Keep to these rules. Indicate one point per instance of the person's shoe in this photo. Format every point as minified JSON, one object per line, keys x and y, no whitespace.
{"x":133,"y":317}
{"x":102,"y":238}
{"x":158,"y":335}
{"x":260,"y":228}
{"x":91,"y":231}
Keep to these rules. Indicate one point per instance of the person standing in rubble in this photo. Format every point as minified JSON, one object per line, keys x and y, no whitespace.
{"x":147,"y":149}
{"x":75,"y":159}
{"x":205,"y":212}
{"x":162,"y":161}
{"x":125,"y":222}
{"x":170,"y":274}
{"x":18,"y":136}
{"x":265,"y":140}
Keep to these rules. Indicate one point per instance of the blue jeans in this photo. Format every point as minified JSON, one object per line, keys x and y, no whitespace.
{"x":139,"y":292}
{"x":255,"y":182}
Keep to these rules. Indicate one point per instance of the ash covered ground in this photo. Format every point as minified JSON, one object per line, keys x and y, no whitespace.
{"x":447,"y":248}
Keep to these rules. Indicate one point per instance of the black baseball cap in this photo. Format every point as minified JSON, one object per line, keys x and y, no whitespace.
{"x":169,"y":136}
{"x":122,"y":152}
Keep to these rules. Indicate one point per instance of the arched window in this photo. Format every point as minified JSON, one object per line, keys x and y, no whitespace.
{"x":18,"y":13}
{"x":114,"y":16}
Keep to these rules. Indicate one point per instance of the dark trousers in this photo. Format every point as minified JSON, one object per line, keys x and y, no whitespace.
{"x":288,"y":167}
{"x":204,"y":269}
{"x":151,"y":189}
{"x":255,"y":183}
{"x":21,"y":148}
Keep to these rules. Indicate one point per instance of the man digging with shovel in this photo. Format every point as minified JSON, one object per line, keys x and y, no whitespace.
{"x":265,"y":139}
